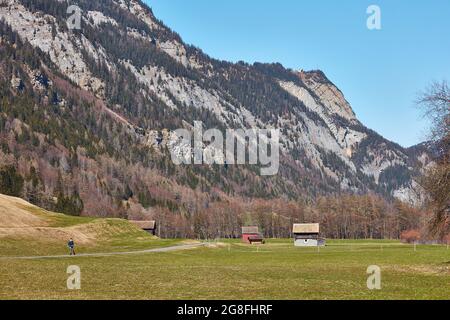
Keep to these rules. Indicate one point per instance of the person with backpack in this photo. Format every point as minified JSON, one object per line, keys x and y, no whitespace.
{"x":71,"y":245}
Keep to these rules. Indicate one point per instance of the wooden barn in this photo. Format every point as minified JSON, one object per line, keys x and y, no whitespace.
{"x":307,"y":235}
{"x":149,"y":226}
{"x":251,"y":235}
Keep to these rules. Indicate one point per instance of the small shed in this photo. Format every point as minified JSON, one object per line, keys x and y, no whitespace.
{"x":149,"y":226}
{"x":252,"y":235}
{"x":307,"y":235}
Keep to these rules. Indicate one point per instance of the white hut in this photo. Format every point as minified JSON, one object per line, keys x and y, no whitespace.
{"x":307,"y":235}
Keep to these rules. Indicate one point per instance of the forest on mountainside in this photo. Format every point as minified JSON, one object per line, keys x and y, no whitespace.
{"x":81,"y":151}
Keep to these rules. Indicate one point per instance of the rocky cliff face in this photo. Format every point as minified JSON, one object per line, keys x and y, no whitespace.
{"x":124,"y":80}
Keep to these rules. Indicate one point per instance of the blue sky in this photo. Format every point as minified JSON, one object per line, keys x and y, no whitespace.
{"x":379,"y":71}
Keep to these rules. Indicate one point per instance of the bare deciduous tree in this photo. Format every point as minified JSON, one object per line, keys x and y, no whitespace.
{"x":435,"y":102}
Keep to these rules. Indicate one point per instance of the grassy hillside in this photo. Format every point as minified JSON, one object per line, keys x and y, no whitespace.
{"x":29,"y":230}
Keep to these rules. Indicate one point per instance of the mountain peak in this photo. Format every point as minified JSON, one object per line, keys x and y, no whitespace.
{"x":123,"y":81}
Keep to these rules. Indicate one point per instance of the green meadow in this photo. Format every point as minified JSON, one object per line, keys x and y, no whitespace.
{"x":231,"y":270}
{"x":225,"y":269}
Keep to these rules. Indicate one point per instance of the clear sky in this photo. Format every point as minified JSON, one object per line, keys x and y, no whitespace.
{"x":379,"y":71}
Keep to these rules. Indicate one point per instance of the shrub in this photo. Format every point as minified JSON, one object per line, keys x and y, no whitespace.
{"x":447,"y":239}
{"x":410,"y":236}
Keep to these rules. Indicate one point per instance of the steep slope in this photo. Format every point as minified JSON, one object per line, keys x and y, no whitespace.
{"x":28,"y":229}
{"x":82,"y":111}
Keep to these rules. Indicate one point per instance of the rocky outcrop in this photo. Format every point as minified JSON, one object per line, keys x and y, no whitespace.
{"x":320,"y":133}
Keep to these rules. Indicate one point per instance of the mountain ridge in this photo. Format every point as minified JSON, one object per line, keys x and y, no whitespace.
{"x":125,"y":79}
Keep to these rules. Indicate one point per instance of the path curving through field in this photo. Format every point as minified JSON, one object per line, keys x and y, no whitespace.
{"x":108,"y":254}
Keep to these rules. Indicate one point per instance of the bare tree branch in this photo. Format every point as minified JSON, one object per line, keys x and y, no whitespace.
{"x":435,"y":102}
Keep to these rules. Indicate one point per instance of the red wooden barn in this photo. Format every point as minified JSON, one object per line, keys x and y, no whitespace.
{"x":251,"y":235}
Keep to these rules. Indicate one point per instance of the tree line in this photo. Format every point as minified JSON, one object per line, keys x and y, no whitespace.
{"x":340,"y":217}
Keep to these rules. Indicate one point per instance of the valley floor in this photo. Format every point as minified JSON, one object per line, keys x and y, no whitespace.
{"x":232,"y":270}
{"x":119,"y":261}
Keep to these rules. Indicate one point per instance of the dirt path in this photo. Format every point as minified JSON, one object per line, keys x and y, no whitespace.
{"x":107,"y":254}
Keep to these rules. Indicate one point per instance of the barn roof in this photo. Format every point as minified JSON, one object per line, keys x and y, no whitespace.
{"x":145,"y":225}
{"x":306,"y":228}
{"x":250,"y":230}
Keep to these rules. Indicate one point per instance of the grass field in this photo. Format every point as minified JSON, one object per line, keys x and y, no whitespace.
{"x":236,"y":271}
{"x":222,"y":270}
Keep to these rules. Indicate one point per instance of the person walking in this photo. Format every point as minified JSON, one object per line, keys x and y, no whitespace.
{"x":71,"y":245}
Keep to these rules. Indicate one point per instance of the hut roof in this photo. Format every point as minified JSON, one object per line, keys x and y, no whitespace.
{"x":145,"y":225}
{"x":306,"y":228}
{"x":250,"y":230}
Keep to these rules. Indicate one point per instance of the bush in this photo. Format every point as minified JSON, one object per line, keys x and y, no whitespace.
{"x":447,"y":239}
{"x":410,"y":236}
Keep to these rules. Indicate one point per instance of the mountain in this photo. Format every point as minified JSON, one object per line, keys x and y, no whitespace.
{"x":87,"y":115}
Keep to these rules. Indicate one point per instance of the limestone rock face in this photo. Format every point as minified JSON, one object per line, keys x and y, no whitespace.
{"x":169,"y":82}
